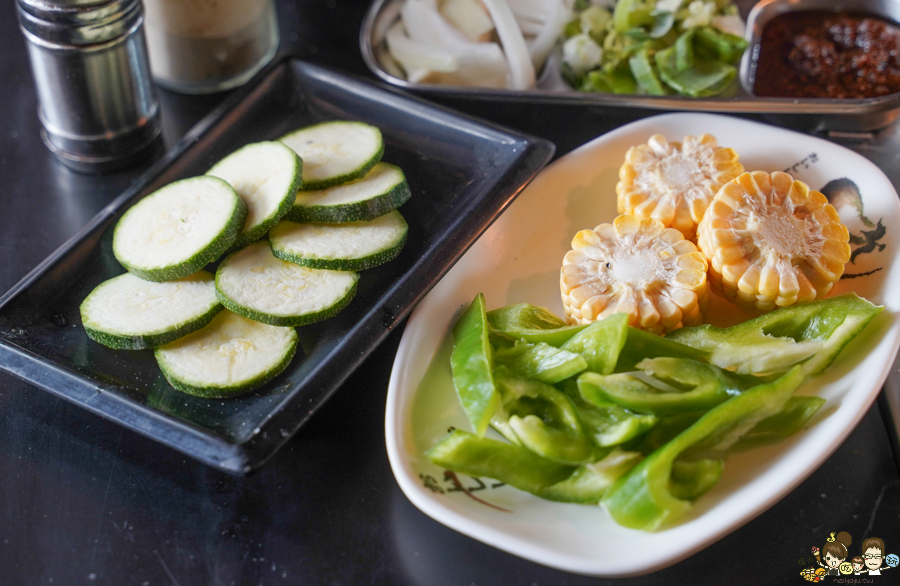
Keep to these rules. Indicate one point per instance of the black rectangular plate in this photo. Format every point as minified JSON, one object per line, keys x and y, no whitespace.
{"x":462,"y":174}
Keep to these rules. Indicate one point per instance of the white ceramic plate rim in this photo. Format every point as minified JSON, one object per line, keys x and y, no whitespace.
{"x":853,"y":387}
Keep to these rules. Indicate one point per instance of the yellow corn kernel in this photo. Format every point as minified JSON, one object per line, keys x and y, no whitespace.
{"x":634,"y":266}
{"x":772,"y":242}
{"x":674,"y":182}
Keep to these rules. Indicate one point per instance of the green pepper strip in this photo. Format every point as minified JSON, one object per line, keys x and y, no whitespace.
{"x":787,"y":422}
{"x":600,"y":343}
{"x":644,"y":498}
{"x":472,"y":365}
{"x":811,"y":333}
{"x":480,"y":456}
{"x":795,"y":415}
{"x":610,"y":425}
{"x":543,"y":419}
{"x":534,"y":324}
{"x":524,"y":316}
{"x":706,"y":385}
{"x":540,"y":361}
{"x":523,"y":469}
{"x":640,"y":345}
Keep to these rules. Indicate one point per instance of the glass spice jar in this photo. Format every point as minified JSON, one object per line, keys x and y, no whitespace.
{"x":203,"y":46}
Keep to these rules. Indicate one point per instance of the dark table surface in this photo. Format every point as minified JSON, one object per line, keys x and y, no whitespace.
{"x":83,"y":501}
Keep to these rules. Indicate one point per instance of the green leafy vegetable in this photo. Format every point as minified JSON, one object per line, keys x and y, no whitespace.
{"x":655,"y":51}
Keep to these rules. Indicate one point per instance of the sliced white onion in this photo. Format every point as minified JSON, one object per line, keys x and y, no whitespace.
{"x":418,"y":59}
{"x":480,"y":64}
{"x":521,"y":68}
{"x":543,"y":43}
{"x":469,"y":17}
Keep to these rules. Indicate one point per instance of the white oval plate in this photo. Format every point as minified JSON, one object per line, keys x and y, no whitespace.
{"x":518,"y":260}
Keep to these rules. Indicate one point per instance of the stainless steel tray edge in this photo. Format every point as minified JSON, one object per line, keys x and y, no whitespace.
{"x":845,"y":115}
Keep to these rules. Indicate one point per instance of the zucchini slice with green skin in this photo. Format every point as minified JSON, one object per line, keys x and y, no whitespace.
{"x":383,"y":189}
{"x":355,"y":246}
{"x":179,"y":229}
{"x":230,"y":356}
{"x":253,"y":283}
{"x":129,"y":313}
{"x":266,"y":176}
{"x":335,"y":152}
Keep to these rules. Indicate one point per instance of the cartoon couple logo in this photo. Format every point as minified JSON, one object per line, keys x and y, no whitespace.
{"x":832,"y":558}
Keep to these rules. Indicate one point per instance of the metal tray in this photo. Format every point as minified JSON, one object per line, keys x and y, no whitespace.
{"x":807,"y":114}
{"x":462,"y":174}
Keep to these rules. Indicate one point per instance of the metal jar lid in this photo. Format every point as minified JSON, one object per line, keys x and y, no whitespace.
{"x":78,"y":23}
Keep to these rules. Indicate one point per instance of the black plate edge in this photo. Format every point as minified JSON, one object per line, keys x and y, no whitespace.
{"x":180,"y":436}
{"x":242,"y":458}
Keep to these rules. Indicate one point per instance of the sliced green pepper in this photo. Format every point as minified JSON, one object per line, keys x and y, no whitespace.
{"x":540,"y":361}
{"x":543,"y":419}
{"x":514,"y":465}
{"x":611,"y":425}
{"x":519,"y":467}
{"x":640,"y":345}
{"x":813,"y":333}
{"x":589,"y":482}
{"x":791,"y":419}
{"x":648,"y":496}
{"x":795,"y":415}
{"x":702,"y":386}
{"x":472,"y":366}
{"x":523,"y":316}
{"x":600,"y":343}
{"x":534,"y":324}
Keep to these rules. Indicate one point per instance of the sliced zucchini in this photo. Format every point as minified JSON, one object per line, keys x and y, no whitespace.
{"x":383,"y":189}
{"x":253,"y":283}
{"x":266,"y":176}
{"x":177,"y":230}
{"x":230,"y":356}
{"x":335,"y":152}
{"x":355,"y":246}
{"x":129,"y":313}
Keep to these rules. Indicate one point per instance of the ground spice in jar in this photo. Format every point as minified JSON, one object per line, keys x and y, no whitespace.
{"x":820,"y":54}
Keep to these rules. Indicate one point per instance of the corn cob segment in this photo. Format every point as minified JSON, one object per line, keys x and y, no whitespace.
{"x":772,"y":242}
{"x":638,"y":267}
{"x":674,"y":182}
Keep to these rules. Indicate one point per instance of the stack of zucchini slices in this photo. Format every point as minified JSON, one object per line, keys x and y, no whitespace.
{"x":328,"y":206}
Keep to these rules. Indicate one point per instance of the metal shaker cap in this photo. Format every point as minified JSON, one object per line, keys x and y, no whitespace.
{"x":97,"y":104}
{"x":78,"y":22}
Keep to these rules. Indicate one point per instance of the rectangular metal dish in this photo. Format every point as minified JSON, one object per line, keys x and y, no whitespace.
{"x":462,"y":174}
{"x":807,"y":114}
